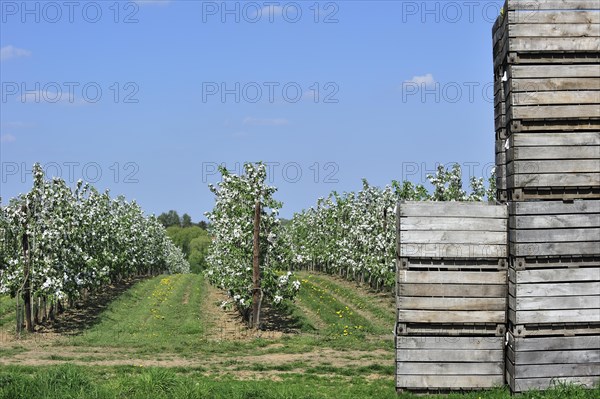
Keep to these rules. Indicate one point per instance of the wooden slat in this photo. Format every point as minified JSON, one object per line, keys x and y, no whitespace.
{"x":543,"y":44}
{"x":550,"y":84}
{"x":555,"y":343}
{"x":555,"y":235}
{"x":555,"y":275}
{"x":553,"y":71}
{"x":452,"y":209}
{"x":578,"y":179}
{"x":435,"y":382}
{"x":585,"y":111}
{"x":447,"y":304}
{"x":556,"y":370}
{"x":557,"y":289}
{"x":554,"y":166}
{"x":453,"y":290}
{"x":452,"y":251}
{"x":441,"y":369}
{"x":453,"y":237}
{"x":554,"y":17}
{"x":449,"y":355}
{"x":454,"y":343}
{"x":580,"y":30}
{"x":555,"y":139}
{"x":541,"y":316}
{"x":553,"y":152}
{"x":527,"y":384}
{"x":555,"y":249}
{"x":555,"y":207}
{"x":451,"y":224}
{"x":457,"y":316}
{"x":552,"y":5}
{"x":534,"y":97}
{"x":556,"y":303}
{"x":555,"y":221}
{"x":441,"y":277}
{"x":550,"y":357}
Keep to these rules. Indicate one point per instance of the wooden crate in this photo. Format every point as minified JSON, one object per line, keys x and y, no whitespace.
{"x":451,"y":297}
{"x":549,"y":298}
{"x":434,"y":363}
{"x":559,"y":161}
{"x":554,"y":228}
{"x":464,"y":230}
{"x":541,"y":362}
{"x":547,"y":31}
{"x":552,"y":92}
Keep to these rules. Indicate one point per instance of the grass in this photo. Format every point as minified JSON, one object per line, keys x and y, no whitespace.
{"x":342,"y":348}
{"x":67,"y":381}
{"x":7,"y":311}
{"x":160,"y":314}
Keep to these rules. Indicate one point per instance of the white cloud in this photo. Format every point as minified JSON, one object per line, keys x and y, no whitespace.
{"x":426,"y":80}
{"x":7,"y":138}
{"x":265,"y":121}
{"x":8,"y":52}
{"x":267,"y":13}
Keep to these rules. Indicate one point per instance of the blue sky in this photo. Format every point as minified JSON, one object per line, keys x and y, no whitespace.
{"x":145,"y":98}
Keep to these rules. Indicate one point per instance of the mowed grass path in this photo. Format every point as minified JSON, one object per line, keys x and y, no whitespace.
{"x":160,"y":314}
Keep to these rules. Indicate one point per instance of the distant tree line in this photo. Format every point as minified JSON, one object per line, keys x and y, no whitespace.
{"x":172,"y":218}
{"x":192,"y":238}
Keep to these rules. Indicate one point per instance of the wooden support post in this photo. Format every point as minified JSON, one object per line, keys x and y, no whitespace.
{"x":256,"y":294}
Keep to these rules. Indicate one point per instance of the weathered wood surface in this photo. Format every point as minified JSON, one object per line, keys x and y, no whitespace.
{"x":446,"y":304}
{"x":435,"y":382}
{"x":452,"y":230}
{"x":551,"y":5}
{"x":538,"y":362}
{"x":472,"y":297}
{"x":452,"y":250}
{"x":432,"y":363}
{"x":516,"y":72}
{"x":451,"y":209}
{"x":553,"y":152}
{"x":576,"y":111}
{"x":452,"y":236}
{"x":548,"y":84}
{"x":553,"y":166}
{"x":533,"y":96}
{"x":554,"y":17}
{"x":455,"y":316}
{"x":550,"y":296}
{"x":555,"y":249}
{"x":423,"y":223}
{"x":555,"y":208}
{"x":554,"y":139}
{"x":453,"y":290}
{"x":554,"y":276}
{"x":441,"y":277}
{"x":555,"y":228}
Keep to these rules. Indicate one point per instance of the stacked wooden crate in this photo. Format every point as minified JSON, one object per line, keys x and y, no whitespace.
{"x":547,"y":99}
{"x":451,"y":295}
{"x":546,"y":58}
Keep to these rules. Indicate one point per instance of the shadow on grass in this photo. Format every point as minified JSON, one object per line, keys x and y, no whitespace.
{"x":86,"y":313}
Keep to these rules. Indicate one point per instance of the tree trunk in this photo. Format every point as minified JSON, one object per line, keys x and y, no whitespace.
{"x":256,"y":295}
